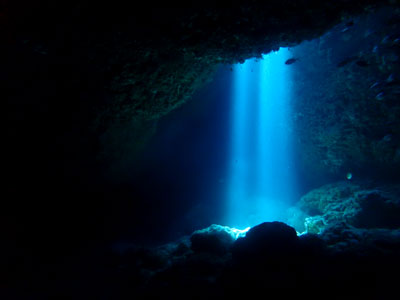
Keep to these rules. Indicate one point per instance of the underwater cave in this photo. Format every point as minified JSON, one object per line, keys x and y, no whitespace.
{"x":200,"y":150}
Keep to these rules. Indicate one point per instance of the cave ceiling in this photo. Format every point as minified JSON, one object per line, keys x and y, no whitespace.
{"x":93,"y":77}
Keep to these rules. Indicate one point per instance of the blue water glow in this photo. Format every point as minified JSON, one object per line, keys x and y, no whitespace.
{"x":261,"y":182}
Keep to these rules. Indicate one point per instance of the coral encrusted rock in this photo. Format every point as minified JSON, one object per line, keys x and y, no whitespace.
{"x":215,"y":239}
{"x":362,"y":205}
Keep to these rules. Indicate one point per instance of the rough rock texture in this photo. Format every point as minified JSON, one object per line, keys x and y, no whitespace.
{"x":347,"y":85}
{"x":271,"y":257}
{"x":362,"y":205}
{"x":214,"y":239}
{"x":114,"y":69}
{"x":341,"y":237}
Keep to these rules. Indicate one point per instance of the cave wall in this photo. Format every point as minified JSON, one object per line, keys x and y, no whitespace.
{"x":346,"y":108}
{"x":124,"y":66}
{"x":85,"y":83}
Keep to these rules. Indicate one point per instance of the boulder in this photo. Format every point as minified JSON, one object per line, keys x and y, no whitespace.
{"x":266,"y":241}
{"x":344,"y":238}
{"x":362,"y":205}
{"x":214,"y":239}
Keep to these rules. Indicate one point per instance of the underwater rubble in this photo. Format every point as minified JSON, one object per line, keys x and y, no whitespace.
{"x":351,"y":242}
{"x":361,"y":205}
{"x":270,"y":256}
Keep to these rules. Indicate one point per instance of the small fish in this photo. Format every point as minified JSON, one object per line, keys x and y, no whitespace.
{"x":349,"y":176}
{"x":385,"y":39}
{"x":348,"y":26}
{"x":374,"y":85}
{"x":390,"y":78}
{"x":380,"y":96}
{"x":387,"y":138}
{"x":291,"y":61}
{"x":375,"y":49}
{"x":362,"y":63}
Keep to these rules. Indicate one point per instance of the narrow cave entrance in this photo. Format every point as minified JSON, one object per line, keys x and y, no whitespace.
{"x":261,"y":181}
{"x":227,"y":156}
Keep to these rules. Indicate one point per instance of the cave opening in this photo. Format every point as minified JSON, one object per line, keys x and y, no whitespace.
{"x":229,"y":149}
{"x":261,"y":180}
{"x":131,"y":134}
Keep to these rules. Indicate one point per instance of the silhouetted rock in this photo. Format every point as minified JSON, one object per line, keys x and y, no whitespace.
{"x":265,"y":240}
{"x":267,"y":256}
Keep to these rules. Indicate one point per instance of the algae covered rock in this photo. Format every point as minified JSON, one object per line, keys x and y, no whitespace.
{"x":319,"y":200}
{"x":215,"y":239}
{"x":342,"y":237}
{"x":361,"y":205}
{"x":315,"y":225}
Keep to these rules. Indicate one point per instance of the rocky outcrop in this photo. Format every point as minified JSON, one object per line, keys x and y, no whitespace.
{"x":342,"y":237}
{"x":269,"y":257}
{"x":215,"y":239}
{"x":346,"y":113}
{"x":361,"y":205}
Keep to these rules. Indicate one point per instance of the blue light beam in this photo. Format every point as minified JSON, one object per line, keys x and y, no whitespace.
{"x":261,"y":179}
